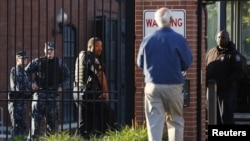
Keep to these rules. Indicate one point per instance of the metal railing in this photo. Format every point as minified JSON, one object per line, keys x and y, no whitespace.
{"x":212,"y":103}
{"x":71,"y":126}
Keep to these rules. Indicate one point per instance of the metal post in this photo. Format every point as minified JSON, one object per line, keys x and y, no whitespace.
{"x":212,"y":103}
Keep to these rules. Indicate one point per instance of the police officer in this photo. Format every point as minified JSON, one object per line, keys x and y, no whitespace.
{"x":91,"y":92}
{"x":51,"y":76}
{"x":20,"y":86}
{"x":224,"y":66}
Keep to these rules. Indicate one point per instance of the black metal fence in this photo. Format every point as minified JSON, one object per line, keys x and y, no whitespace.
{"x":25,"y":25}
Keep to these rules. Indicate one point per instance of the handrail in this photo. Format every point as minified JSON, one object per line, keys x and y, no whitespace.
{"x":212,"y":103}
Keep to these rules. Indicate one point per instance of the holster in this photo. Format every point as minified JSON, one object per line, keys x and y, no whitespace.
{"x":88,"y":86}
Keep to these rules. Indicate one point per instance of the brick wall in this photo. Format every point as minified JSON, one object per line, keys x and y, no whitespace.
{"x":190,"y":112}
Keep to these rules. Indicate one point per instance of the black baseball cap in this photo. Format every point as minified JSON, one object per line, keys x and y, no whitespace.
{"x":50,"y":45}
{"x":21,"y":55}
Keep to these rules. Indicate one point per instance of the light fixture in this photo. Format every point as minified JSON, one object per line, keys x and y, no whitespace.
{"x":61,"y":19}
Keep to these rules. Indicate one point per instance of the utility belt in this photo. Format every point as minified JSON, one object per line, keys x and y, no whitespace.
{"x":48,"y":89}
{"x":80,"y":85}
{"x":51,"y":91}
{"x":46,"y":95}
{"x":88,"y":86}
{"x":18,"y":95}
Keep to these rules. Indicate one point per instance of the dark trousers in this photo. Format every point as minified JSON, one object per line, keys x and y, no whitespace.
{"x":17,"y":111}
{"x":44,"y":105}
{"x":95,"y":115}
{"x":227,"y":102}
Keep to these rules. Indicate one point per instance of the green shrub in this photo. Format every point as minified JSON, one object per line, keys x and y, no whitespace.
{"x":127,"y":133}
{"x":61,"y":136}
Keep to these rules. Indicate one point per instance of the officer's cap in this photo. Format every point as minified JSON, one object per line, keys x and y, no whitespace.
{"x":21,"y":55}
{"x":50,"y":45}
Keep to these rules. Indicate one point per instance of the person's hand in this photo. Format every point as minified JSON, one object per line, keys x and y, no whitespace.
{"x":59,"y":90}
{"x":34,"y":86}
{"x":28,"y":95}
{"x":105,"y":96}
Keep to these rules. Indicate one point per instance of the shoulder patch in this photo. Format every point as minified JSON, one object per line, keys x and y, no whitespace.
{"x":81,"y":54}
{"x":97,"y":61}
{"x":237,"y":58}
{"x":222,"y":59}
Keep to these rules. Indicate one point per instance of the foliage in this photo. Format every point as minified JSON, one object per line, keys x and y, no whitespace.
{"x":245,"y":13}
{"x":18,"y":138}
{"x":61,"y":136}
{"x":127,"y":133}
{"x":212,"y":25}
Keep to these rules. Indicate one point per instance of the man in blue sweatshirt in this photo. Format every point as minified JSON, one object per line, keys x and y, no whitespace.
{"x":163,"y":56}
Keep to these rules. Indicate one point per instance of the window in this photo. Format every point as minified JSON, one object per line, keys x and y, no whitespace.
{"x":245,"y":28}
{"x":69,"y":42}
{"x":212,"y":24}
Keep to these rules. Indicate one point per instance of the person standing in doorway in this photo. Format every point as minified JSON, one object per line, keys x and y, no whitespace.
{"x":163,"y":56}
{"x":51,"y":77}
{"x":224,"y":66}
{"x":20,"y":92}
{"x":91,"y":92}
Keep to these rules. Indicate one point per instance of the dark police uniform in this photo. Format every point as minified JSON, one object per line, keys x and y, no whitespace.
{"x":20,"y":86}
{"x":95,"y":115}
{"x":225,"y":67}
{"x":50,"y":75}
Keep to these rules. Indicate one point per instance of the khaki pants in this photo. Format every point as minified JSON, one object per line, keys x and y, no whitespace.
{"x":164,"y":104}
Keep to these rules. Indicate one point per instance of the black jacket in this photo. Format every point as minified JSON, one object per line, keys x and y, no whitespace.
{"x":224,"y":66}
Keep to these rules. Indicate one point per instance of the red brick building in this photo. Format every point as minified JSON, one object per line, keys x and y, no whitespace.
{"x":191,"y":23}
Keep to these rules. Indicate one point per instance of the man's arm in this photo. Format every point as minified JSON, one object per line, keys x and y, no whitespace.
{"x":66,"y":77}
{"x":140,"y":56}
{"x":102,"y":78}
{"x":185,"y":54}
{"x":12,"y":80}
{"x":237,"y":69}
{"x":30,"y":69}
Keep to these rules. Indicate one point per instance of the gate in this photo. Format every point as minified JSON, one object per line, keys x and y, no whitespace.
{"x":25,"y":25}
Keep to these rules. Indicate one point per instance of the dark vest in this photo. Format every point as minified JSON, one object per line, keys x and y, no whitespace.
{"x":83,"y":75}
{"x":49,"y":74}
{"x":81,"y":69}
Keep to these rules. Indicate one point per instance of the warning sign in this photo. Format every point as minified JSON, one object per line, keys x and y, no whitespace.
{"x":178,"y":25}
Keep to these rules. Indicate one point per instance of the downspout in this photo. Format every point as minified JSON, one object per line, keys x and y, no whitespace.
{"x":129,"y":54}
{"x":199,"y":62}
{"x":199,"y":69}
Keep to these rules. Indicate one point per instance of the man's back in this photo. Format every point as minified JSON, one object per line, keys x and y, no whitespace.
{"x":163,"y":55}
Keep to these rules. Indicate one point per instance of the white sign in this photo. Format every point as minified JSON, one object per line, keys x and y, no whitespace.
{"x":178,"y":25}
